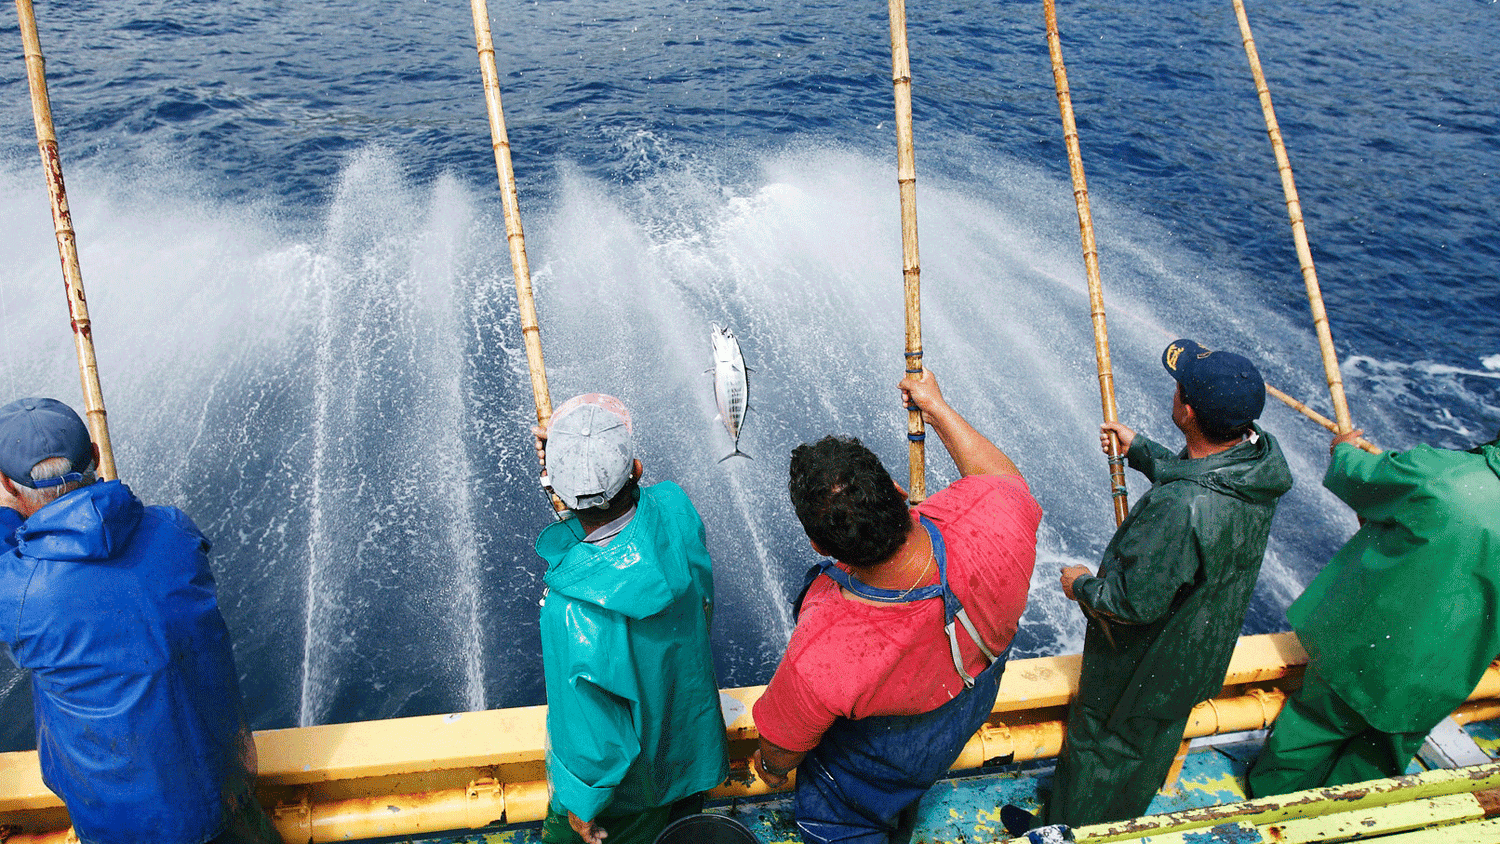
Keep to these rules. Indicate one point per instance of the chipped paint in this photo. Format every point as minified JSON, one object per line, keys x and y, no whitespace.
{"x":1228,"y":833}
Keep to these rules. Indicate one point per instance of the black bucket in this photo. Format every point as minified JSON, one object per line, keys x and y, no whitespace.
{"x":706,"y":829}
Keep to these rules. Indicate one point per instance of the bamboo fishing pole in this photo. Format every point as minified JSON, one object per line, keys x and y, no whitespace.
{"x":1319,"y":418}
{"x":1090,"y":263}
{"x":531,"y":332}
{"x":67,"y":245}
{"x":1299,"y":231}
{"x":911,"y":266}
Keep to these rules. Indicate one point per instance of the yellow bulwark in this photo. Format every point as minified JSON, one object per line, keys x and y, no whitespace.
{"x":424,"y":775}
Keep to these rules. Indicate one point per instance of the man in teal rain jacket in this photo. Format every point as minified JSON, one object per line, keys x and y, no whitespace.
{"x":1165,"y":609}
{"x":635,"y":733}
{"x":1400,"y":624}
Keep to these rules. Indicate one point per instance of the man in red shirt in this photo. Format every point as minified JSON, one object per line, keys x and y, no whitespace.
{"x":899,"y":644}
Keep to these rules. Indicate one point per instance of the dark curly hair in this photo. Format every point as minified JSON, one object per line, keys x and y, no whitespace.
{"x":846,"y":501}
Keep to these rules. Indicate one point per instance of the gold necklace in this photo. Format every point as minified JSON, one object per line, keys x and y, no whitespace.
{"x":921,"y":576}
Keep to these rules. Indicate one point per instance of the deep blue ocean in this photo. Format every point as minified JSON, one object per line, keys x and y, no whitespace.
{"x":290,"y":231}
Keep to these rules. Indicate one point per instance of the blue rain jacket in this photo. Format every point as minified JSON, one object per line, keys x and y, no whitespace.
{"x":633,"y":719}
{"x":112,"y":607}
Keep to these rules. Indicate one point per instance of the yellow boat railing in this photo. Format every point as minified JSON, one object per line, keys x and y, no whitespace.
{"x":435,"y":773}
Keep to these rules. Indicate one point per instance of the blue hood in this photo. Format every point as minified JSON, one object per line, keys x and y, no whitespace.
{"x":90,"y":524}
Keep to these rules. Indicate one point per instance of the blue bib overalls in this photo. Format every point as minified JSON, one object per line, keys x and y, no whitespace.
{"x":854,"y":787}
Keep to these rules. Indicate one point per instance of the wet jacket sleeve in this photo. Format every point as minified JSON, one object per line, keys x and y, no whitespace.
{"x":589,"y":758}
{"x":1145,"y":453}
{"x":1150,"y":563}
{"x":1376,"y":486}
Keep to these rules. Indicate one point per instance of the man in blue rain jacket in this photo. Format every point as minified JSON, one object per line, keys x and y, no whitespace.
{"x":111,"y":606}
{"x":635,"y":734}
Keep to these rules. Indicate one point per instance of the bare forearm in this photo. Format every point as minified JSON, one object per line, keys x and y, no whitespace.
{"x":774,"y":763}
{"x":972,"y":452}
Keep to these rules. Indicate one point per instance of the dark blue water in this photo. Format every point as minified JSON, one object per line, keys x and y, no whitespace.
{"x":290,"y":231}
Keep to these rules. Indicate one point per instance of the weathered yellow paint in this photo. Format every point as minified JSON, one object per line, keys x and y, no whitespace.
{"x":1224,"y":784}
{"x":1378,"y":820}
{"x":1283,"y":809}
{"x":433,"y":760}
{"x":1475,"y":832}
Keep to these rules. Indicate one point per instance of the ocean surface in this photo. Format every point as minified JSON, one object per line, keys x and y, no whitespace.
{"x":290,"y":231}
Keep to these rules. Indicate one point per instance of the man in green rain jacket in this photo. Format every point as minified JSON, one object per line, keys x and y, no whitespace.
{"x":1166,"y":606}
{"x":635,"y":733}
{"x":1400,"y":624}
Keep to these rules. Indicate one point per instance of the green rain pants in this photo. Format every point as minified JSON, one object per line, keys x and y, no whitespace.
{"x":1319,"y":740}
{"x":1110,"y":773}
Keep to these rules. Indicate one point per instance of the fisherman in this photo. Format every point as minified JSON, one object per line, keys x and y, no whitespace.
{"x":1400,"y":624}
{"x":111,"y":605}
{"x":1164,"y":611}
{"x":897,"y":653}
{"x":634,"y":731}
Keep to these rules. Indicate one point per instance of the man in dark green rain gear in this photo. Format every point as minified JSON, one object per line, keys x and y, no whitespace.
{"x":1400,"y":624}
{"x":1165,"y":609}
{"x":634,"y":730}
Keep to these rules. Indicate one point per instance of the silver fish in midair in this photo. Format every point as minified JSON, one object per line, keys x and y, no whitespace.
{"x":731,"y":385}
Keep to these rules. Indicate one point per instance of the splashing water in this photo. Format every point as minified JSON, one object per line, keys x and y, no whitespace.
{"x":346,"y":413}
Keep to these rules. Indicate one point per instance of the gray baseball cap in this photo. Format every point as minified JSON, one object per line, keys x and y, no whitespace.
{"x":33,"y":430}
{"x":589,"y":451}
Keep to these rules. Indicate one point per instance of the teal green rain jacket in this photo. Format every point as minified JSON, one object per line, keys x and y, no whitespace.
{"x":1176,"y":578}
{"x":633,"y":719}
{"x":1403,"y":620}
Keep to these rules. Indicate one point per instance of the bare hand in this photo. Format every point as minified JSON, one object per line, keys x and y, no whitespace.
{"x":589,"y":831}
{"x":1122,"y":433}
{"x":1070,"y":574}
{"x":1350,"y":437}
{"x":540,"y":434}
{"x":921,"y":391}
{"x":773,"y":780}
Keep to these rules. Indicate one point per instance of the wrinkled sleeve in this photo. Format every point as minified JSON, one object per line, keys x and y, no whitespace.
{"x":1155,"y":558}
{"x":792,"y":714}
{"x":789,"y":714}
{"x":594,"y":742}
{"x":1374,"y":485}
{"x":1144,"y":453}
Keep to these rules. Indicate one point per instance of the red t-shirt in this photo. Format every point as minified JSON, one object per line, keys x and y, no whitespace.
{"x":853,"y":660}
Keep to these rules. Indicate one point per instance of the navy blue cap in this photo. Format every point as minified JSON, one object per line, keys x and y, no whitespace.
{"x":33,"y":430}
{"x":1224,"y":389}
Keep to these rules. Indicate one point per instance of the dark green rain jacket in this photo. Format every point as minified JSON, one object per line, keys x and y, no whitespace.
{"x":633,"y":718}
{"x":1406,"y":616}
{"x":1176,"y":578}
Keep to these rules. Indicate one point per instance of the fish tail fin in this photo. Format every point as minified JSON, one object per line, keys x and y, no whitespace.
{"x":735,"y":453}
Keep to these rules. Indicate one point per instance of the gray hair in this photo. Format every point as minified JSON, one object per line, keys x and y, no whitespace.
{"x":53,"y":467}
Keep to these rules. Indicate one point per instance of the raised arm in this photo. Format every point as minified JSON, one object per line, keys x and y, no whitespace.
{"x":971,"y":451}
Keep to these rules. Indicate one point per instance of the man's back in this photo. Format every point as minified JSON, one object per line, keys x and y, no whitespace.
{"x":112,"y":607}
{"x":1179,"y":572}
{"x":633,"y":706}
{"x":855,"y":660}
{"x":1432,"y":529}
